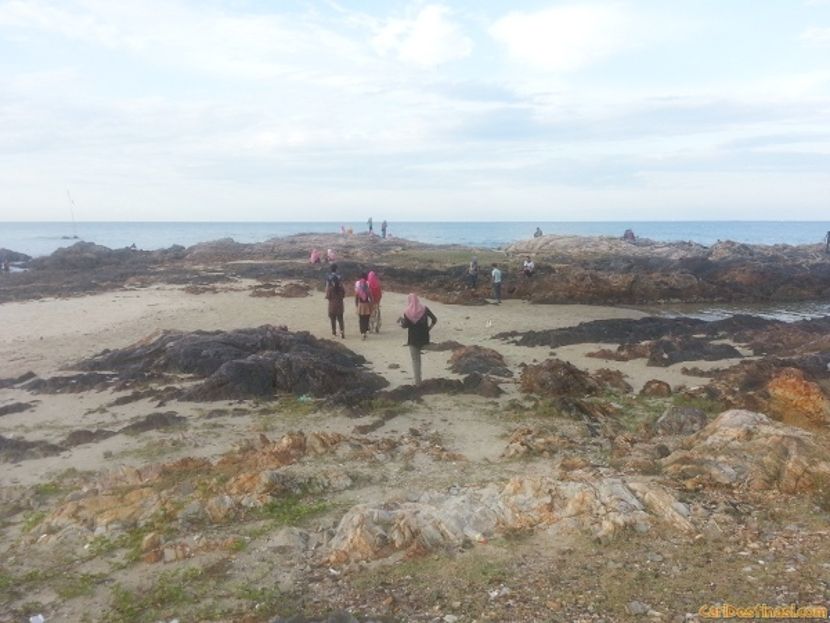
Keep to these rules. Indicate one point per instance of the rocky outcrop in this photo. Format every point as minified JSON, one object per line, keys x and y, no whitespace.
{"x":655,"y":388}
{"x":680,"y":421}
{"x":554,"y":377}
{"x":480,"y":360}
{"x":746,"y":449}
{"x":13,"y":257}
{"x":246,"y":363}
{"x":602,"y":504}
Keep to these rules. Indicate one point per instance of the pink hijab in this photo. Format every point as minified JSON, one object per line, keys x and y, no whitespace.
{"x":374,"y":286}
{"x":415,"y":310}
{"x":314,"y":258}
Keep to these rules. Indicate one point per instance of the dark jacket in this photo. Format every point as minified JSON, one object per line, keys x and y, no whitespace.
{"x":335,"y":293}
{"x":419,"y":331}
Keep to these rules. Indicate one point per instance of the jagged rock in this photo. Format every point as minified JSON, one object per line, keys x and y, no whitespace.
{"x":554,"y":377}
{"x":289,"y":540}
{"x":794,"y":399}
{"x":527,"y":440}
{"x":246,"y":363}
{"x":602,"y":504}
{"x":16,"y":407}
{"x":6,"y":383}
{"x":480,"y":360}
{"x":655,"y":388}
{"x":16,"y":450}
{"x":614,"y":379}
{"x":154,"y":421}
{"x":7,"y":255}
{"x":746,"y":449}
{"x":680,"y":421}
{"x":83,"y":436}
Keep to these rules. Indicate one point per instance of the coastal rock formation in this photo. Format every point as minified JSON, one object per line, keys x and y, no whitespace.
{"x":746,"y":449}
{"x":680,"y":421}
{"x":245,"y":363}
{"x":13,"y":257}
{"x":602,"y":504}
{"x":478,"y":359}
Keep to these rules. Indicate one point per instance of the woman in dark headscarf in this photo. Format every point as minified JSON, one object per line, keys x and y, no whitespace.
{"x":335,"y":293}
{"x":419,"y":320}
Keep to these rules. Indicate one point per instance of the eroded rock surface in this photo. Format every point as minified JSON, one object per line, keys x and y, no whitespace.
{"x":747,"y":449}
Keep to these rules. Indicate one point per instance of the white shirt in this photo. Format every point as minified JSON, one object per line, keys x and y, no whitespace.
{"x":496,"y":274}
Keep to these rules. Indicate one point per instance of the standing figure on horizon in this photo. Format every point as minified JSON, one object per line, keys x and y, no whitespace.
{"x":419,"y":320}
{"x":827,"y":242}
{"x":377,"y":293}
{"x":369,"y":223}
{"x":472,"y":273}
{"x":335,"y":293}
{"x":342,"y":230}
{"x":537,"y":233}
{"x":495,"y":278}
{"x":383,"y":227}
{"x":363,"y":303}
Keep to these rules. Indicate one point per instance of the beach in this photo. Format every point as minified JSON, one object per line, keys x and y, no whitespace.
{"x":530,"y":445}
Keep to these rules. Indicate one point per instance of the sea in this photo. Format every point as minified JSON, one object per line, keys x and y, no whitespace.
{"x":42,"y":238}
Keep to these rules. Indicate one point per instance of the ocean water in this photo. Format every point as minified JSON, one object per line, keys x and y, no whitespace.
{"x":43,"y":238}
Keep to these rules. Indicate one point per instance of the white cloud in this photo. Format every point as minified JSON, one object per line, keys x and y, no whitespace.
{"x":816,"y":36}
{"x":564,"y":38}
{"x":426,"y":40}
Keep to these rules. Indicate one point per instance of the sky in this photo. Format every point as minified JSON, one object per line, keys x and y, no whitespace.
{"x":229,"y":110}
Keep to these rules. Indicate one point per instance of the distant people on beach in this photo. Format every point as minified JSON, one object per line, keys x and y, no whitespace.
{"x":363,"y":304}
{"x":314,"y":257}
{"x":335,"y":293}
{"x":377,"y":293}
{"x":383,"y":227}
{"x":629,"y":236}
{"x":418,"y":320}
{"x":369,"y":223}
{"x":342,"y":230}
{"x":528,"y":267}
{"x":331,"y":256}
{"x":6,"y":266}
{"x":538,"y":233}
{"x":349,"y":231}
{"x":495,"y":280}
{"x":827,"y":242}
{"x":472,"y":273}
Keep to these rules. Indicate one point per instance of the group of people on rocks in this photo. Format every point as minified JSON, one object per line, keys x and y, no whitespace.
{"x":496,"y":277}
{"x":315,"y":257}
{"x":384,"y":226}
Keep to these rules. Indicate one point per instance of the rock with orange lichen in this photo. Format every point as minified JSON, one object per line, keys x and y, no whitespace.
{"x":746,"y":449}
{"x":527,"y":440}
{"x":794,"y":399}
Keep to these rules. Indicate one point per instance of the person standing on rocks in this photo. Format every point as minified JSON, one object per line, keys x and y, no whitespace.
{"x":369,"y":223}
{"x":472,"y":273}
{"x":383,"y":227}
{"x":529,"y":267}
{"x":335,"y":293}
{"x":418,"y":320}
{"x":827,"y":242}
{"x":363,"y":303}
{"x":495,"y":279}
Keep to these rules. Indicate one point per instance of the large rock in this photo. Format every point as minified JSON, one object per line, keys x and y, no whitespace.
{"x":14,"y":257}
{"x":680,"y":421}
{"x":554,"y":377}
{"x":480,"y":360}
{"x":746,"y":449}
{"x":246,"y":363}
{"x":602,"y":504}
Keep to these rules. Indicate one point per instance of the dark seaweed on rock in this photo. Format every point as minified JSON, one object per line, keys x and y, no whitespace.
{"x":244,"y":363}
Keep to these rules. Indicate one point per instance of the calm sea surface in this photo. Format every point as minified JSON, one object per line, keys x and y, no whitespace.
{"x":43,"y":238}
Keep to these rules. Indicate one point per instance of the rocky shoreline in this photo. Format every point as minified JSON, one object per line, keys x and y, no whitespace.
{"x":181,"y":439}
{"x":569,"y":269}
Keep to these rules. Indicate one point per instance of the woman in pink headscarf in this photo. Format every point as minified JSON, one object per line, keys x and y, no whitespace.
{"x":419,"y":320}
{"x":314,"y":257}
{"x":363,"y":304}
{"x":377,"y":293}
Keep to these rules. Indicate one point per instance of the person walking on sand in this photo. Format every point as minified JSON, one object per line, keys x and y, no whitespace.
{"x":418,"y":320}
{"x":369,"y":223}
{"x":363,"y":303}
{"x":377,"y":293}
{"x":335,"y":293}
{"x":472,"y":273}
{"x":495,"y":280}
{"x":383,"y":227}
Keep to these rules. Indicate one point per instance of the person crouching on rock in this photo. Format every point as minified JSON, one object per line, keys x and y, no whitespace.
{"x":363,"y":303}
{"x":314,"y":257}
{"x":419,"y":320}
{"x":335,"y":293}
